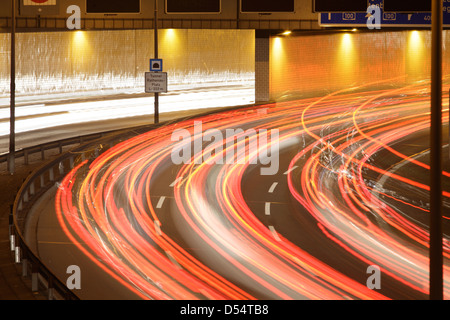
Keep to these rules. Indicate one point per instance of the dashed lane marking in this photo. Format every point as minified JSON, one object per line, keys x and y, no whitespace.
{"x":272,"y":187}
{"x":160,"y":202}
{"x":293,"y":168}
{"x":274,"y":233}
{"x":267,"y":209}
{"x":176,"y":181}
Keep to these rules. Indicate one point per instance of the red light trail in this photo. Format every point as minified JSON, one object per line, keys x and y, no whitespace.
{"x":349,"y":173}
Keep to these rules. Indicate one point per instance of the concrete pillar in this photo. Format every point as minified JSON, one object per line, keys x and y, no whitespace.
{"x":262,"y":70}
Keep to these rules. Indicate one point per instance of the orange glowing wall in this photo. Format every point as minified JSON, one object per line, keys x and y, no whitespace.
{"x":316,"y":64}
{"x":49,"y":62}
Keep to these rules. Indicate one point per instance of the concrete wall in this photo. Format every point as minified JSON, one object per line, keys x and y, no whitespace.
{"x":93,"y":60}
{"x":317,"y":64}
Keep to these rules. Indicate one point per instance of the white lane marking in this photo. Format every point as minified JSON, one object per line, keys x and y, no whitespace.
{"x":274,"y":233}
{"x":160,"y":202}
{"x":272,"y":187}
{"x":158,"y":227}
{"x":293,"y":168}
{"x":176,"y":181}
{"x":170,"y":256}
{"x":267,"y":209}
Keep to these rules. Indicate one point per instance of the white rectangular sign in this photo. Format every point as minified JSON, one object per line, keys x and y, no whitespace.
{"x":155,"y":82}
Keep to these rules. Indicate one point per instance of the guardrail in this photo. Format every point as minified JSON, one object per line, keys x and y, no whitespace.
{"x":39,"y":182}
{"x":41,"y":148}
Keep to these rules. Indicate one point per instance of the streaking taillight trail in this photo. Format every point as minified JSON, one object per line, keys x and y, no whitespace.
{"x":110,"y":209}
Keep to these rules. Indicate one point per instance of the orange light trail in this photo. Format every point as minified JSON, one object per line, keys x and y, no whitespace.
{"x":349,"y":174}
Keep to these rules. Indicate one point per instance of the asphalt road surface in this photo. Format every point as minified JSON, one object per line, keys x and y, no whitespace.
{"x":334,"y":188}
{"x":46,"y":118}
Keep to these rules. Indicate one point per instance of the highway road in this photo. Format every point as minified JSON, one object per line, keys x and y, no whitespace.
{"x":46,"y":118}
{"x":323,"y":189}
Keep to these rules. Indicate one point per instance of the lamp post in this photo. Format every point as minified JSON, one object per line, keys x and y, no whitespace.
{"x":12,"y":119}
{"x":156,"y":113}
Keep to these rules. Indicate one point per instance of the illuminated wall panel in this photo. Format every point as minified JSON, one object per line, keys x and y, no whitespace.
{"x":53,"y":62}
{"x":317,"y":64}
{"x":5,"y":67}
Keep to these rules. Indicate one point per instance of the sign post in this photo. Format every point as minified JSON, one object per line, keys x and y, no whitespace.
{"x":156,"y":80}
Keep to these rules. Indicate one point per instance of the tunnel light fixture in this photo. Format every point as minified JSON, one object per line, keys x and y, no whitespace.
{"x":286,"y":33}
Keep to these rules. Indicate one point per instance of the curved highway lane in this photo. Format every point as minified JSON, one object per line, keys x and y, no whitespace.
{"x":293,"y":200}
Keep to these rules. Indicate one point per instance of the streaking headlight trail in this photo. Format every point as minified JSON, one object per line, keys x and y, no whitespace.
{"x":355,"y":174}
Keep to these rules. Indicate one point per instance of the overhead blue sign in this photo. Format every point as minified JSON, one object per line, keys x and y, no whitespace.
{"x":385,"y":19}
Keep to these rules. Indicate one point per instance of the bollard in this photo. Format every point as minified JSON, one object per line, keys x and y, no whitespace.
{"x":17,"y":254}
{"x":12,"y":240}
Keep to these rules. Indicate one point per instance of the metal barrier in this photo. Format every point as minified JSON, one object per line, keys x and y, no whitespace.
{"x":39,"y":182}
{"x":41,"y":148}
